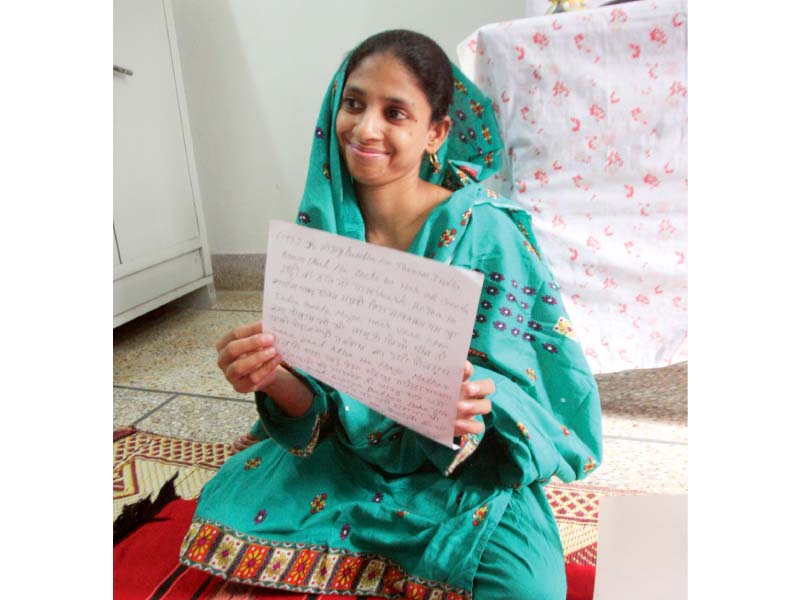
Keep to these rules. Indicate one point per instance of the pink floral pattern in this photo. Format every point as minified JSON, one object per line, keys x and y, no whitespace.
{"x":593,"y":107}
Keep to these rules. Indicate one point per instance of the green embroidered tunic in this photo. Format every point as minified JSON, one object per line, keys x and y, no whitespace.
{"x":343,"y":500}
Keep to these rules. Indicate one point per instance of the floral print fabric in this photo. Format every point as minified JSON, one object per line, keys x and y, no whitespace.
{"x":593,"y":108}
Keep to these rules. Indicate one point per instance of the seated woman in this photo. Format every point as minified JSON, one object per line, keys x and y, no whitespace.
{"x":337,"y":498}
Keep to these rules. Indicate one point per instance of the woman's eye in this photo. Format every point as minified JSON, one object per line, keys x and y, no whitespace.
{"x":350,"y":103}
{"x":394,"y":113}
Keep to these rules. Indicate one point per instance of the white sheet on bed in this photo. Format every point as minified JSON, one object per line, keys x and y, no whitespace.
{"x":593,"y":110}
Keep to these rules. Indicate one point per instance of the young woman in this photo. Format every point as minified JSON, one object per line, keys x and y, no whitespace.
{"x":337,"y":498}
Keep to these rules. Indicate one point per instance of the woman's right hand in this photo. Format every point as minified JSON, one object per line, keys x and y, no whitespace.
{"x":248,"y":357}
{"x":472,"y":402}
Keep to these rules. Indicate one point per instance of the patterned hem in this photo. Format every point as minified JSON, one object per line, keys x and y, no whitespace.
{"x":308,"y":568}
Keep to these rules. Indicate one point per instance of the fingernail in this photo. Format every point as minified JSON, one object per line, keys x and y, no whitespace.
{"x":267,"y":338}
{"x":270,"y":351}
{"x":473,"y":388}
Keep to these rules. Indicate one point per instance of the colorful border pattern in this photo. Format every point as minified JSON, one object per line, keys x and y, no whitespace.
{"x":226,"y":553}
{"x":574,"y":505}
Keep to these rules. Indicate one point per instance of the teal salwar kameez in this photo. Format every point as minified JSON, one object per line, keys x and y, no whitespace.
{"x":343,"y":500}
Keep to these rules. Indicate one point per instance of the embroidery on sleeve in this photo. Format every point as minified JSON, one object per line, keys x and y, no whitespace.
{"x":564,"y":327}
{"x":469,"y":443}
{"x":447,"y":237}
{"x":305,"y":452}
{"x":479,"y":515}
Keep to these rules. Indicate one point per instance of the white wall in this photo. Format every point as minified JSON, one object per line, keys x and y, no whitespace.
{"x":255,"y":72}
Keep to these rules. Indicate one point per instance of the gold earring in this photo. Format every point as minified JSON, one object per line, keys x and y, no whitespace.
{"x":434,"y":160}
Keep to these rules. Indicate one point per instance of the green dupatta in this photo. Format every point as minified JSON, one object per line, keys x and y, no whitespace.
{"x":473,"y":150}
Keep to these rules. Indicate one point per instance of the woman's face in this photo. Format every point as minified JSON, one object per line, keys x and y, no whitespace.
{"x":384,"y":122}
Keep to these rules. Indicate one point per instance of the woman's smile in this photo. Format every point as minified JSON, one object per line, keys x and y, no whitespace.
{"x":365,"y":152}
{"x":383,"y":123}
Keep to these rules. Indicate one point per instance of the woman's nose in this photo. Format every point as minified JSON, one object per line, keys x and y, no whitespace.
{"x":367,"y":126}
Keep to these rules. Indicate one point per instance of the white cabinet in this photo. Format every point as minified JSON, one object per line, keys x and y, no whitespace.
{"x":117,"y":261}
{"x":160,"y":245}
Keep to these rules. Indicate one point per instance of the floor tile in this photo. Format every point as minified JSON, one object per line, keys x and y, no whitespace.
{"x":175,"y":352}
{"x":132,"y":405}
{"x":202,"y":419}
{"x":239,"y":300}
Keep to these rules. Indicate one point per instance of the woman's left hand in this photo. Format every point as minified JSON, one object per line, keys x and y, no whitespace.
{"x":472,"y":401}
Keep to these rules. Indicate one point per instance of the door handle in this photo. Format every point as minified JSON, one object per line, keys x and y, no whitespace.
{"x":122,"y":71}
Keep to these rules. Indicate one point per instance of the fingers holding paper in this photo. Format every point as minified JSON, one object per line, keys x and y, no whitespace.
{"x":472,"y":402}
{"x":248,"y":357}
{"x":239,"y":333}
{"x":468,"y":371}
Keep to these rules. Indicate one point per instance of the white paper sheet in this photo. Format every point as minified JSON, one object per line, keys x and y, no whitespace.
{"x":388,"y":328}
{"x":642,"y":548}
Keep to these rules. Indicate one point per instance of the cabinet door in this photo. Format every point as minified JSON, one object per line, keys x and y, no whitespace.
{"x":153,"y":203}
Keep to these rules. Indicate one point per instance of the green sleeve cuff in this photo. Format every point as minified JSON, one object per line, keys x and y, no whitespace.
{"x":258,"y":431}
{"x":298,"y":434}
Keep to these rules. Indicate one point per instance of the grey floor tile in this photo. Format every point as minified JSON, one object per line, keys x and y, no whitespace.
{"x":202,"y":419}
{"x":132,"y":405}
{"x":239,"y":300}
{"x":175,"y":352}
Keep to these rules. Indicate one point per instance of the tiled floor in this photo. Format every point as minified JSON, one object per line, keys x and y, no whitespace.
{"x":166,"y":381}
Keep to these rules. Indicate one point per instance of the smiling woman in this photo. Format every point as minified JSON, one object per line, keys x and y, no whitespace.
{"x":385,"y":125}
{"x":346,"y":501}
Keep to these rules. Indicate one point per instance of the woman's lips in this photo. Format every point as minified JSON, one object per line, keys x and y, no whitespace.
{"x":365,"y":152}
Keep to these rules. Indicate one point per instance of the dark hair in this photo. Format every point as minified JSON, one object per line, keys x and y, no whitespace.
{"x":421,"y":55}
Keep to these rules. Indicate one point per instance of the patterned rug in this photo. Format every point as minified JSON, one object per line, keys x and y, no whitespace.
{"x":143,"y":462}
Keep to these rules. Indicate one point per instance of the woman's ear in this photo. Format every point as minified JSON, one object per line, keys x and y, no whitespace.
{"x":437,"y":134}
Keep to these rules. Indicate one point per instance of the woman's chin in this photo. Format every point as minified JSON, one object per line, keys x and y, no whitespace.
{"x":364,"y":175}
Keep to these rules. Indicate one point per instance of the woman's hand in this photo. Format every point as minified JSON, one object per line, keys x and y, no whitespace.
{"x":472,"y":402}
{"x":248,"y":357}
